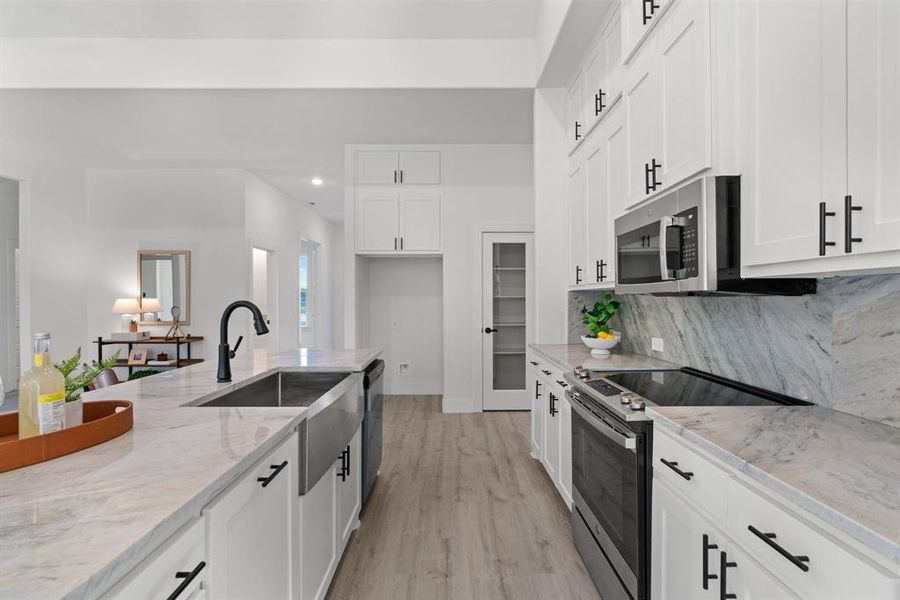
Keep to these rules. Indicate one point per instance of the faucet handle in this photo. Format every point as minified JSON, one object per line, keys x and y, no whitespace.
{"x":237,"y":345}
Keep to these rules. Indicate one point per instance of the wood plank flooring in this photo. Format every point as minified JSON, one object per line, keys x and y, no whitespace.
{"x":460,"y":510}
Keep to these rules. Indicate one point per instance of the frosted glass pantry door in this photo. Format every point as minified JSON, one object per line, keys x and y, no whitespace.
{"x":507,"y":319}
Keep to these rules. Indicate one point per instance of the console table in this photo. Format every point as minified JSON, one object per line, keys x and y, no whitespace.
{"x":153,"y":341}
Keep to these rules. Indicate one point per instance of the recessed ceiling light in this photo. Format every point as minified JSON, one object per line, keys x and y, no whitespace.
{"x":317,"y":181}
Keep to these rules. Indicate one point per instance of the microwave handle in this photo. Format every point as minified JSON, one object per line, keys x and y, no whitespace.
{"x":664,"y":224}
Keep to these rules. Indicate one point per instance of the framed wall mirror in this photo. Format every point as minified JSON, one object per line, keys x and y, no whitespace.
{"x":164,"y":282}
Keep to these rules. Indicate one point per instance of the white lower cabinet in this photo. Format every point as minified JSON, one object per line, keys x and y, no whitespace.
{"x":551,"y":454}
{"x":349,"y":495}
{"x":565,"y":450}
{"x":551,"y":425}
{"x":318,"y":545}
{"x":180,"y":566}
{"x":250,"y":530}
{"x":537,"y":414}
{"x":753,"y":550}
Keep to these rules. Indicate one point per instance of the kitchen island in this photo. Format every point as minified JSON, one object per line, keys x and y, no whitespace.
{"x":73,"y":526}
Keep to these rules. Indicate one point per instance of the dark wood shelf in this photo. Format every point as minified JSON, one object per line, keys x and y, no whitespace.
{"x":151,"y":340}
{"x":185,"y":362}
{"x":180,"y":361}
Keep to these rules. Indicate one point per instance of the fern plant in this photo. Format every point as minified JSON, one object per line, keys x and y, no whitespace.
{"x":75,"y":383}
{"x":597,"y":319}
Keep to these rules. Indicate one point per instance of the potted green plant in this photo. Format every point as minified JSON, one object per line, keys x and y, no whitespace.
{"x":77,"y":382}
{"x":599,"y":337}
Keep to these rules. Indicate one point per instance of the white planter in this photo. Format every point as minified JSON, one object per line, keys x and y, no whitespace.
{"x":599,"y":346}
{"x":74,"y":413}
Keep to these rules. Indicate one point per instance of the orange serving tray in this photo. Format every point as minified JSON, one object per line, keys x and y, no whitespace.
{"x":102,"y":422}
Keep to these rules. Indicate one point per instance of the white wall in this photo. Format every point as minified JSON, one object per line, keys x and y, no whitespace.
{"x":405,"y":301}
{"x":201,"y":210}
{"x":9,"y":236}
{"x":484,"y":187}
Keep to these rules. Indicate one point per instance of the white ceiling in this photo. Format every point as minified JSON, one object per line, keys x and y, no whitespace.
{"x":366,"y":19}
{"x":286,"y":136}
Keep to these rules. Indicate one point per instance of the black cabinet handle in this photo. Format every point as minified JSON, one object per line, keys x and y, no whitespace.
{"x":598,"y":102}
{"x":347,"y":459}
{"x":646,"y":178}
{"x":823,"y":213}
{"x":553,"y":410}
{"x":401,"y":237}
{"x":562,"y":383}
{"x":545,"y":372}
{"x":533,"y":363}
{"x":578,"y":271}
{"x":277,"y":469}
{"x":674,"y":466}
{"x":490,"y":330}
{"x":537,"y":389}
{"x":707,"y":576}
{"x":769,"y":538}
{"x":395,"y":243}
{"x":653,"y":166}
{"x":577,"y":132}
{"x":187,"y":577}
{"x":653,"y":7}
{"x":401,"y":175}
{"x":849,"y":240}
{"x":724,"y":565}
{"x":601,"y":265}
{"x":345,"y":464}
{"x":395,"y":175}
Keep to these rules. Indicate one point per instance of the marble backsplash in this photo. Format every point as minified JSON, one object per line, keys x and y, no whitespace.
{"x":838,"y":348}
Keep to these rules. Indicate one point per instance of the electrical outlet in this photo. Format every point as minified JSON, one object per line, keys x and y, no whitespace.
{"x":656,"y":344}
{"x":403,"y":367}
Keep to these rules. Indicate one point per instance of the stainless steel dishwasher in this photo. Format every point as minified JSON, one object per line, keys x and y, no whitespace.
{"x":373,"y":426}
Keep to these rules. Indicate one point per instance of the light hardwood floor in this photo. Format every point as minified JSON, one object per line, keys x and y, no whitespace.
{"x":460,"y":510}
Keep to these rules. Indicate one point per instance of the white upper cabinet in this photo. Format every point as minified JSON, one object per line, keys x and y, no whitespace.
{"x":684,"y":63}
{"x":605,"y":166}
{"x":578,"y":225}
{"x":603,"y":73}
{"x":420,"y":219}
{"x":873,"y":127}
{"x":377,"y":219}
{"x":388,"y":167}
{"x":575,"y":125}
{"x":377,"y":168}
{"x":639,"y":17}
{"x":643,"y":116}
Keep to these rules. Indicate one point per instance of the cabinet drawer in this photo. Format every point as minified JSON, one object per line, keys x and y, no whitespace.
{"x":687,"y":472}
{"x":158,"y":575}
{"x":808,"y":560}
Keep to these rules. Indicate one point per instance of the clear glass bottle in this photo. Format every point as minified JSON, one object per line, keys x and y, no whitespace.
{"x":42,"y":393}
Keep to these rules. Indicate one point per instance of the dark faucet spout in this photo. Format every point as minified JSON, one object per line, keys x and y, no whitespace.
{"x":225,"y":352}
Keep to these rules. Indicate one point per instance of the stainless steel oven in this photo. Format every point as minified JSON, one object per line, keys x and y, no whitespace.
{"x":611,"y":502}
{"x":689,"y":241}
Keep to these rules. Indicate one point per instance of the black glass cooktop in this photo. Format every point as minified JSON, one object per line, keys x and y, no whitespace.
{"x":689,"y":387}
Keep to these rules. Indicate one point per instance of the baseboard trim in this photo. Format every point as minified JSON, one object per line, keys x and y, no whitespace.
{"x":414,"y":389}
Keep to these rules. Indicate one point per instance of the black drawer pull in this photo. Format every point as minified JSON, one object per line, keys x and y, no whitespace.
{"x":823,"y":212}
{"x":562,"y":383}
{"x":769,"y":538}
{"x":533,"y":363}
{"x":646,"y":178}
{"x":674,"y":466}
{"x":577,"y":131}
{"x":706,"y":574}
{"x":267,"y":480}
{"x":724,"y":565}
{"x":545,"y":372}
{"x":537,"y":389}
{"x":849,"y":240}
{"x":653,"y":167}
{"x":578,"y":271}
{"x":188,"y":577}
{"x":601,"y":265}
{"x":553,"y":409}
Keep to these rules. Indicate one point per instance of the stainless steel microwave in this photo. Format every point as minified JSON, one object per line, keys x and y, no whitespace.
{"x":689,"y":241}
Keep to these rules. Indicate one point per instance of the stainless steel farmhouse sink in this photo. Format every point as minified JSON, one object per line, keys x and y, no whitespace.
{"x":335,"y":405}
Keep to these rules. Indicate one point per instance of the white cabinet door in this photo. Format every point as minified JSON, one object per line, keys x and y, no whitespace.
{"x":565,"y":449}
{"x":643,"y":116}
{"x":615,"y":70}
{"x":793,"y":126}
{"x":420,"y":167}
{"x":537,"y":411}
{"x":575,"y":114}
{"x":420,"y":219}
{"x":638,"y":18}
{"x":578,"y":226}
{"x":746,"y":579}
{"x":873,"y":112}
{"x":181,"y":561}
{"x":678,"y":548}
{"x":596,"y":95}
{"x":683,"y":45}
{"x":615,"y":152}
{"x":377,"y":168}
{"x":250,"y":530}
{"x":318,"y":547}
{"x":605,"y":184}
{"x":348,"y":491}
{"x":551,"y":430}
{"x":377,"y":219}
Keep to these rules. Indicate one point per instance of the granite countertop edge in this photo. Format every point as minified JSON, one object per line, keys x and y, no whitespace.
{"x":559,"y":354}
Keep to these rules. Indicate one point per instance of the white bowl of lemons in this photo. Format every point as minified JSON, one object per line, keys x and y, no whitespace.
{"x":603,"y":343}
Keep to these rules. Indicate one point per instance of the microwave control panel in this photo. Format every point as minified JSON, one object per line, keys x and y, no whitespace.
{"x":690,"y":250}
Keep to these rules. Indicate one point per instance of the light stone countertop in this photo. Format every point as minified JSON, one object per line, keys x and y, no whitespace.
{"x":569,"y":356}
{"x":73,"y":526}
{"x":842,"y":468}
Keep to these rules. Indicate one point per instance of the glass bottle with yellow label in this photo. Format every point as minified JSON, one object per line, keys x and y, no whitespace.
{"x":42,"y":393}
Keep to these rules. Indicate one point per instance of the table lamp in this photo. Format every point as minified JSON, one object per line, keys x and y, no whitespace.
{"x":151,"y":305}
{"x":126,"y":306}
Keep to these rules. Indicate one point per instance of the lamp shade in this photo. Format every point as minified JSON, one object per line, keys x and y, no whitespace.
{"x":150,"y":305}
{"x":126,"y":306}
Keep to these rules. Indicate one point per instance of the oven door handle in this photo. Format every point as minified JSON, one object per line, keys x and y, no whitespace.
{"x":625,"y":441}
{"x":664,"y":224}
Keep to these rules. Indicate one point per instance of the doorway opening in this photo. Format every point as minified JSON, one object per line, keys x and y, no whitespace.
{"x":265,"y":294}
{"x":308,"y":292}
{"x":10,"y":294}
